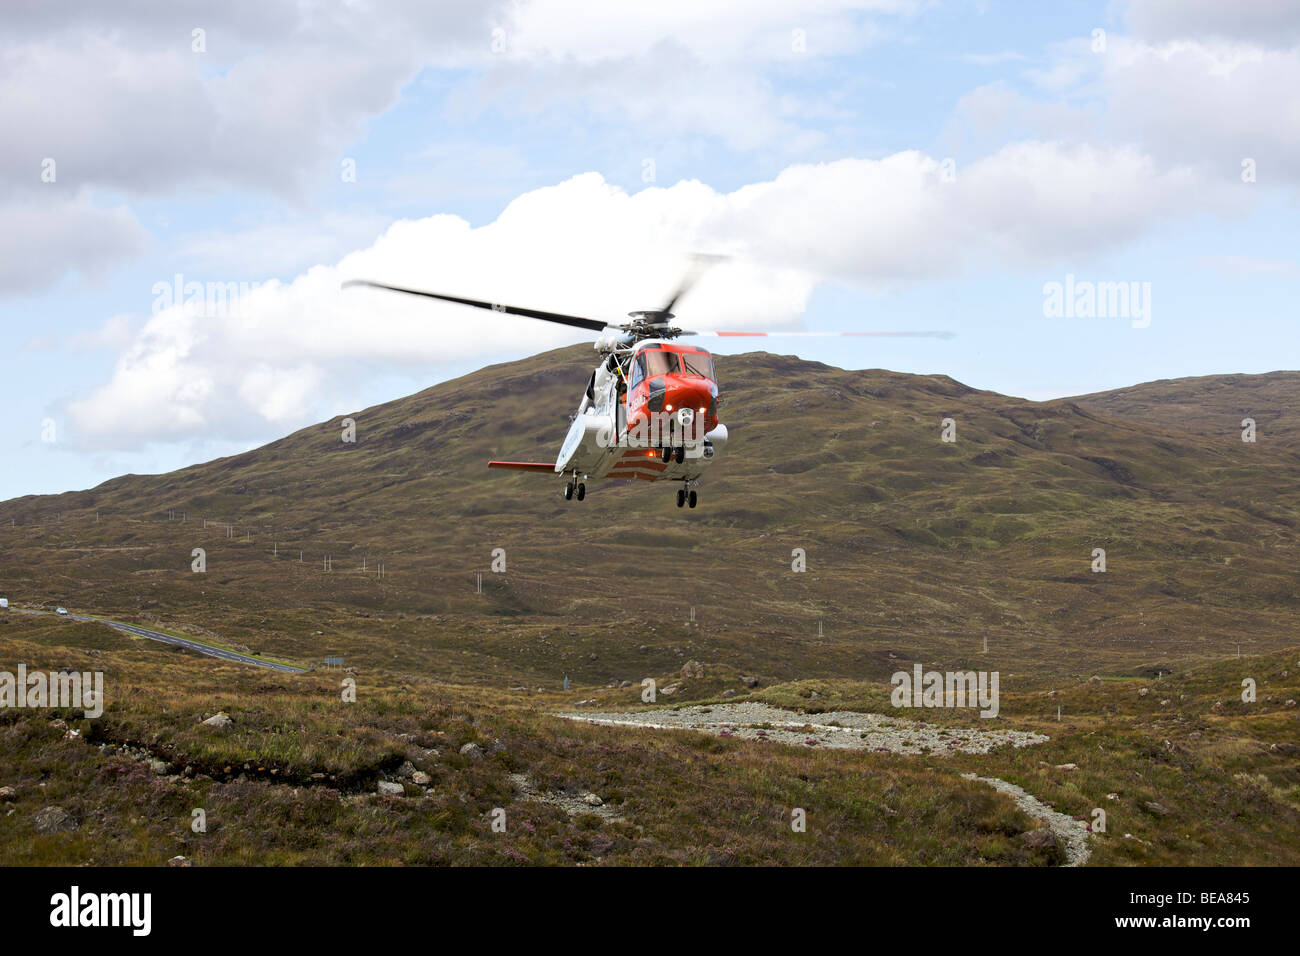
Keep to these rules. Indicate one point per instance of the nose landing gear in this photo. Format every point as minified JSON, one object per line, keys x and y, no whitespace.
{"x":574,"y":486}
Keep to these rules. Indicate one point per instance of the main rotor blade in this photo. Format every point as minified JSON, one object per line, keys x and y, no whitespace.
{"x":576,"y":321}
{"x":900,"y":335}
{"x":700,"y":263}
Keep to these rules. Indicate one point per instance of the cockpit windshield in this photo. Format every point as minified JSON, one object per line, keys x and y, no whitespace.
{"x":685,"y":363}
{"x":697,"y":363}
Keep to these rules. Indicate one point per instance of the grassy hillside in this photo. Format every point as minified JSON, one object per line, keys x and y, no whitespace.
{"x":971,"y":554}
{"x":916,"y":548}
{"x":1210,"y":405}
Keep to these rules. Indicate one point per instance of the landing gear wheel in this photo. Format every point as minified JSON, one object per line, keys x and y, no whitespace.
{"x":665,"y":453}
{"x":692,"y":498}
{"x":568,"y":491}
{"x":681,"y":454}
{"x":681,"y":497}
{"x":582,"y":492}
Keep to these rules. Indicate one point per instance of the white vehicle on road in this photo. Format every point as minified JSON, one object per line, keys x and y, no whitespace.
{"x":61,"y":611}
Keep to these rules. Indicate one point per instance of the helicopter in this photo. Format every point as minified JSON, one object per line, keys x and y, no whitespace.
{"x":650,"y":408}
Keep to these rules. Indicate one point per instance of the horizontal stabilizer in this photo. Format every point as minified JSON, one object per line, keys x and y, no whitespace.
{"x":524,"y":465}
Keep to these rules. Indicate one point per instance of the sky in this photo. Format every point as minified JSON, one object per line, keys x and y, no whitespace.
{"x":1088,"y":195}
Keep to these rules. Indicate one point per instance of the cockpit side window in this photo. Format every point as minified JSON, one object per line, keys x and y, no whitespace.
{"x":638,"y":371}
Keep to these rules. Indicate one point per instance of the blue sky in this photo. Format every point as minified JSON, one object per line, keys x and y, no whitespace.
{"x":867,"y":164}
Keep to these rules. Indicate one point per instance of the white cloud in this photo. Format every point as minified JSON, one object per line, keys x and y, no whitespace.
{"x":1263,"y":22}
{"x":277,"y":245}
{"x":44,"y":239}
{"x":1029,"y":203}
{"x":586,"y":247}
{"x":1206,"y":103}
{"x":119,"y":97}
{"x":1209,"y":103}
{"x":682,"y":68}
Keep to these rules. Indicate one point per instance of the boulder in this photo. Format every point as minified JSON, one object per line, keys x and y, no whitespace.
{"x":388,"y":788}
{"x":54,"y":820}
{"x":692,"y":670}
{"x":472,"y":751}
{"x":749,"y":681}
{"x":1043,"y":841}
{"x":1039,"y":839}
{"x":421,"y":779}
{"x":179,"y":861}
{"x":7,"y":793}
{"x":219,"y":720}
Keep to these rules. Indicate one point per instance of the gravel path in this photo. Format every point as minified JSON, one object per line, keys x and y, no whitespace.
{"x":1072,"y":833}
{"x":858,"y":731}
{"x":836,"y":729}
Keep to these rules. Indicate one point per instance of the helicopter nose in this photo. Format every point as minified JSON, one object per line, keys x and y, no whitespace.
{"x":693,"y":394}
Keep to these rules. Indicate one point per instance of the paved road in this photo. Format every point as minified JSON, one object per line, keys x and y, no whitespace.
{"x":177,"y":641}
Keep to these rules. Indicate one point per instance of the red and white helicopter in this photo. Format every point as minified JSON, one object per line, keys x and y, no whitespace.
{"x":650,"y":410}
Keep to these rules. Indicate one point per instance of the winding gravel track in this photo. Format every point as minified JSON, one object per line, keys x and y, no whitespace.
{"x":858,"y":731}
{"x":1072,"y":834}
